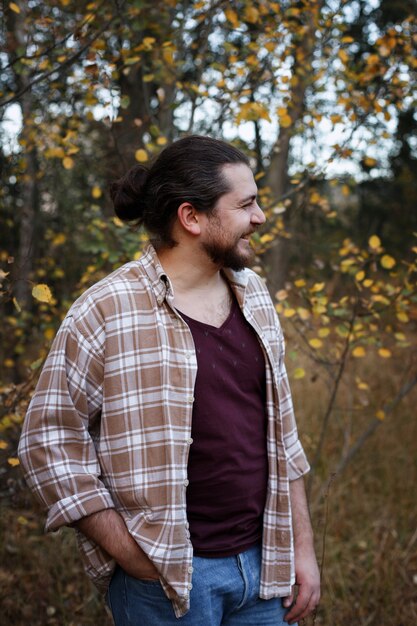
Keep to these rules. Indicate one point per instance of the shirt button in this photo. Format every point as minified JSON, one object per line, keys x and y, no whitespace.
{"x":190,"y":399}
{"x":159,"y":299}
{"x":186,"y":482}
{"x":190,"y":586}
{"x":190,"y":570}
{"x":187,"y":525}
{"x":188,"y":355}
{"x":190,"y":440}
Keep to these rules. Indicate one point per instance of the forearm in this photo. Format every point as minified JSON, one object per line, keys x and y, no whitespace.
{"x":303,"y":531}
{"x":307,"y":573}
{"x":108,"y":529}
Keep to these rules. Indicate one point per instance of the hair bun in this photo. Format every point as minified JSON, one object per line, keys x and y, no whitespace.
{"x":127,"y":194}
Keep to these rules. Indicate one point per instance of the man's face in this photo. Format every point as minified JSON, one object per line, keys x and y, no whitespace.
{"x":235,"y":217}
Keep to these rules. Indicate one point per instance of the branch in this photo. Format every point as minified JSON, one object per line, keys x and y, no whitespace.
{"x":388,"y":408}
{"x":67,"y":63}
{"x":45,"y":52}
{"x":330,"y":405}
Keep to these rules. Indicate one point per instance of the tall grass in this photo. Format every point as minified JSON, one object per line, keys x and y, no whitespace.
{"x":367,"y":516}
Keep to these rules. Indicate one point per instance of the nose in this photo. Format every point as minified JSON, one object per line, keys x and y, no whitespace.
{"x":258,"y":216}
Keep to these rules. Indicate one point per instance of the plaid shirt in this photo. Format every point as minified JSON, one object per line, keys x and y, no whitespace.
{"x":109,"y":425}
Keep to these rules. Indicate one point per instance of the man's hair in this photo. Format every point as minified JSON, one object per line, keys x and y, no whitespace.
{"x":189,"y":170}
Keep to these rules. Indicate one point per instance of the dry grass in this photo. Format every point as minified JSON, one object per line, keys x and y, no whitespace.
{"x":370,"y":568}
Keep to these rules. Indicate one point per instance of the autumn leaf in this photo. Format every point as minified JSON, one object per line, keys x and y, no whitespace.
{"x":299,"y":373}
{"x":68,"y":163}
{"x":13,"y":461}
{"x":14,"y":7}
{"x":388,"y":262}
{"x":141,"y":155}
{"x":42,"y":293}
{"x":374,"y":242}
{"x":232,"y":17}
{"x":315,"y":343}
{"x":358,"y":352}
{"x":384,"y":353}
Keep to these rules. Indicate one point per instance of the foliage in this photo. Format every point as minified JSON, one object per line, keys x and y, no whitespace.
{"x":321,"y":95}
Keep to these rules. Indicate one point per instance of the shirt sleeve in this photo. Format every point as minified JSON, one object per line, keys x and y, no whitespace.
{"x":56,"y":449}
{"x":296,"y":458}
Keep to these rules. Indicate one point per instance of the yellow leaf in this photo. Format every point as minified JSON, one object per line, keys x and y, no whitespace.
{"x":299,"y":372}
{"x":96,"y":192}
{"x":360,"y":276}
{"x":22,"y":520}
{"x":368,"y":282}
{"x":317,"y":287}
{"x":137,"y":255}
{"x":315,"y":197}
{"x":42,"y":293}
{"x":162,"y":141}
{"x":370,"y":162}
{"x":289,"y":312}
{"x":343,"y":56}
{"x":49,"y":333}
{"x":8,"y":363}
{"x":13,"y":461}
{"x":358,"y":352}
{"x":68,"y":163}
{"x":266,"y":238}
{"x":374,"y":242}
{"x":251,"y":15}
{"x":54,"y":153}
{"x":285,"y":121}
{"x":402,"y":316}
{"x":148,"y":78}
{"x":13,"y":6}
{"x":380,"y":415}
{"x":303,"y":313}
{"x":3,"y":444}
{"x":17,"y":305}
{"x":315,"y":343}
{"x":361,"y":385}
{"x":388,"y":262}
{"x":300,"y":282}
{"x":141,"y":155}
{"x":232,"y":17}
{"x":384,"y":353}
{"x":324,"y":332}
{"x":59,"y":239}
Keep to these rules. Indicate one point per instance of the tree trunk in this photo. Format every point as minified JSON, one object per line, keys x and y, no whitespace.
{"x":28,"y":209}
{"x":276,"y":259}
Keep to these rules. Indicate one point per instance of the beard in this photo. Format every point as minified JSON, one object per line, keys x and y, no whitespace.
{"x":224,"y":254}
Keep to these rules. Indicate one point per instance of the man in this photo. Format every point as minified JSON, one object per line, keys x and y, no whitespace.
{"x":162,"y":425}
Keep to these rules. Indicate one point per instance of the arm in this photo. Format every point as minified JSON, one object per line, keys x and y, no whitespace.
{"x":306,"y":569}
{"x":57,"y":453}
{"x":108,"y":529}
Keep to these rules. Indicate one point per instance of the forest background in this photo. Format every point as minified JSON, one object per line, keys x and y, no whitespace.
{"x":321,"y":95}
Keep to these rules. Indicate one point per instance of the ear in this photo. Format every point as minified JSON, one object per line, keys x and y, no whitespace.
{"x":188,"y":217}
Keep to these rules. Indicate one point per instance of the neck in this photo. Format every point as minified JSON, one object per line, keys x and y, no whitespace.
{"x":189,"y":269}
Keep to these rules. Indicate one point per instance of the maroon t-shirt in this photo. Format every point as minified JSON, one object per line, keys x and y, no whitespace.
{"x":227,"y":467}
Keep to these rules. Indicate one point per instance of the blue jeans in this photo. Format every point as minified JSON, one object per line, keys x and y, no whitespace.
{"x":225,"y":593}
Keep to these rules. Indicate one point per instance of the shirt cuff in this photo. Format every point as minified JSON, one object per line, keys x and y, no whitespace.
{"x":297,"y":462}
{"x":75,"y":507}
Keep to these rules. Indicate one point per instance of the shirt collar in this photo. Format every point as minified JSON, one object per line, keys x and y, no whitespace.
{"x":162,"y":285}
